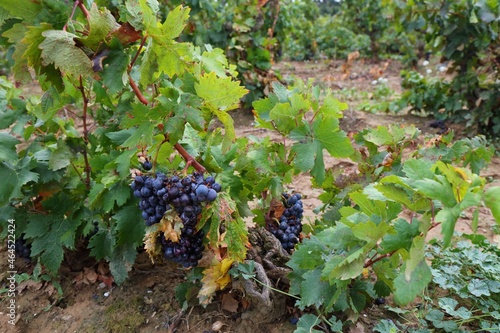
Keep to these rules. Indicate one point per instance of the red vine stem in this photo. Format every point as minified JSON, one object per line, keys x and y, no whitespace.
{"x":189,"y":159}
{"x":85,"y":133}
{"x":75,"y":5}
{"x":137,"y":91}
{"x":82,"y":7}
{"x":137,"y":54}
{"x":370,"y":262}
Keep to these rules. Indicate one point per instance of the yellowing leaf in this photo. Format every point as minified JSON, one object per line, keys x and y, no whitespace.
{"x":215,"y":278}
{"x":170,"y":226}
{"x":220,"y":93}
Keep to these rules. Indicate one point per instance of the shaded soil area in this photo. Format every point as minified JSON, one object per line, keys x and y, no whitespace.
{"x":146,"y":301}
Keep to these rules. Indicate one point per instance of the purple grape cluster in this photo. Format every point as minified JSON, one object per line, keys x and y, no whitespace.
{"x":160,"y":194}
{"x":23,"y":249}
{"x":290,"y":222}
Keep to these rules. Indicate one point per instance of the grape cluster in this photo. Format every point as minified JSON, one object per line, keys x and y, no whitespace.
{"x":160,"y":194}
{"x":23,"y":249}
{"x":290,"y":224}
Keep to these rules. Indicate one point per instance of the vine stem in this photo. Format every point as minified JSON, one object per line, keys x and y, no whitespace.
{"x":82,"y":7}
{"x":85,"y":133}
{"x":187,"y":157}
{"x":370,"y":262}
{"x":274,"y":289}
{"x":75,"y":5}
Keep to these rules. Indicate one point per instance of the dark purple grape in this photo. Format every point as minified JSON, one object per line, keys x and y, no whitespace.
{"x":173,"y":192}
{"x":184,"y":200}
{"x":145,"y":192}
{"x":158,"y":184}
{"x":201,"y":190}
{"x":209,"y":180}
{"x":290,"y":224}
{"x":147,"y":165}
{"x":216,"y":187}
{"x":211,"y":195}
{"x":139,"y":180}
{"x":186,"y":182}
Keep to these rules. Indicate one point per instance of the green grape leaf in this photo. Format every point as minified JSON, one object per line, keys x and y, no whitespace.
{"x":119,"y":137}
{"x":314,"y":290}
{"x":349,"y":267}
{"x":368,"y":206}
{"x":285,"y":115}
{"x":332,"y":107}
{"x":310,"y":142}
{"x":24,"y":9}
{"x":61,"y":157}
{"x":123,"y":163}
{"x":52,"y":255}
{"x":188,"y":108}
{"x":175,"y":127}
{"x":280,"y":91}
{"x":121,"y":261}
{"x":101,"y":24}
{"x":369,"y":231}
{"x":13,"y":180}
{"x":308,"y":254}
{"x":448,"y":217}
{"x":219,"y":94}
{"x":20,"y":68}
{"x":402,"y":239}
{"x":492,"y":201}
{"x":8,"y":147}
{"x":407,"y":289}
{"x":47,"y":233}
{"x":307,"y":323}
{"x":33,"y":38}
{"x":439,"y":189}
{"x":326,"y":131}
{"x":114,"y":75}
{"x":418,"y":169}
{"x":148,"y":10}
{"x":101,"y":244}
{"x":129,"y":224}
{"x":173,"y":58}
{"x":50,"y":104}
{"x":175,"y":22}
{"x":214,"y":60}
{"x":59,"y":48}
{"x":379,"y":136}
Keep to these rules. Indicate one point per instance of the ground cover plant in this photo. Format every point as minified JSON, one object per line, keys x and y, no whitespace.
{"x":131,"y":147}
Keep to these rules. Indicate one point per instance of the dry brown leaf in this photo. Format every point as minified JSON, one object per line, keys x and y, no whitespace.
{"x":229,"y":303}
{"x":107,"y":280}
{"x":90,"y":274}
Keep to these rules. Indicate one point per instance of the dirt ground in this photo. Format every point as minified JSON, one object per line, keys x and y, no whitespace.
{"x":146,"y":301}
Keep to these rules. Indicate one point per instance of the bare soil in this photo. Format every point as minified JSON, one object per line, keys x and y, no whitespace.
{"x":146,"y":301}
